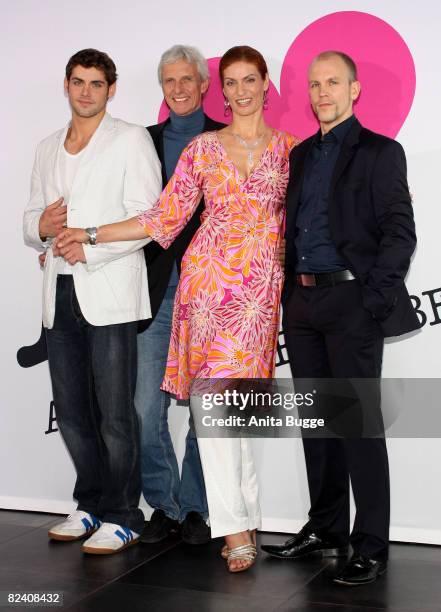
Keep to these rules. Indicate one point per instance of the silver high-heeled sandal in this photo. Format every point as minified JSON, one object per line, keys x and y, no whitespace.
{"x":224,"y":549}
{"x":246,"y":552}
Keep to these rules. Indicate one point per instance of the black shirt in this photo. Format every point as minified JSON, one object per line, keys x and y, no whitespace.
{"x":315,"y":249}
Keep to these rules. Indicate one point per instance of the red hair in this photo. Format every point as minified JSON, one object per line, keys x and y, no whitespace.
{"x":243,"y":53}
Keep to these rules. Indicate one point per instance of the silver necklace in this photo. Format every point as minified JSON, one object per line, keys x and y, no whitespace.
{"x":249,"y":146}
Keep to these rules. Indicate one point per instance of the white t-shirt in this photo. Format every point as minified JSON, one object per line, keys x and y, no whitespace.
{"x":68,"y":166}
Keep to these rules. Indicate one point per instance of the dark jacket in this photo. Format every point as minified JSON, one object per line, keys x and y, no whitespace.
{"x":370,"y":219}
{"x":160,"y":261}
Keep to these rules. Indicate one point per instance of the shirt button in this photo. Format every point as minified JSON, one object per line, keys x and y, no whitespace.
{"x":305,"y":230}
{"x":303,"y":257}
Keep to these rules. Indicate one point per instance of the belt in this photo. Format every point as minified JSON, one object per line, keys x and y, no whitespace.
{"x":324,"y":279}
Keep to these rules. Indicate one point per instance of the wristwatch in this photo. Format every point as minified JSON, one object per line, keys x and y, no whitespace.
{"x":91,"y":232}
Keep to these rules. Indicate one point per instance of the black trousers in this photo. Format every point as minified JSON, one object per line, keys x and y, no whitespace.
{"x":329,"y":334}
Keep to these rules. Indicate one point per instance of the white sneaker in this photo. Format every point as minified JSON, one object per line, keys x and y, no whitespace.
{"x":77,"y":525}
{"x":110,"y":538}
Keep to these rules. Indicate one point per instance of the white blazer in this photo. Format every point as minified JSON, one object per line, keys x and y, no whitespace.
{"x":118,"y":177}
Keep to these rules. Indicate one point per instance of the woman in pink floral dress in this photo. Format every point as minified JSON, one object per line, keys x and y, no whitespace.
{"x":226,"y":313}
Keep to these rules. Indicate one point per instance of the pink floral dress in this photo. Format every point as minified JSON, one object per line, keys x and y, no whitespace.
{"x":226,"y":311}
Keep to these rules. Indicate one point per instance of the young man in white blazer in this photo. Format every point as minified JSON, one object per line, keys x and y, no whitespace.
{"x":96,"y":170}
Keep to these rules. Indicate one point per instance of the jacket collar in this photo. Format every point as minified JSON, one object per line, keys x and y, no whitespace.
{"x":347,"y":151}
{"x":348,"y":144}
{"x":348,"y":148}
{"x":105,"y":127}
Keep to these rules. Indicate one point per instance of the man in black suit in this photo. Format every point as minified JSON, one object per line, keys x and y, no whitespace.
{"x":184,"y":77}
{"x":350,"y":235}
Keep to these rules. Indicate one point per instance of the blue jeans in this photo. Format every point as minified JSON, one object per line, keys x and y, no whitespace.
{"x":93,"y":373}
{"x":162,"y":487}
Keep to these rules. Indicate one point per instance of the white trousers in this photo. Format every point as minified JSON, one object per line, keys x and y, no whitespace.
{"x":231,"y":485}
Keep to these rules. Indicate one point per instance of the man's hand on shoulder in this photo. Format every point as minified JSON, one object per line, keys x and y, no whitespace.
{"x":52,"y":220}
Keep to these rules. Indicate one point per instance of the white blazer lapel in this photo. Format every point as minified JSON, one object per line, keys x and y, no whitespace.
{"x":90,"y":157}
{"x":53,"y":185}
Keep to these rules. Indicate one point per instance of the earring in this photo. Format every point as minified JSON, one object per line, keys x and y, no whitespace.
{"x":265,"y":100}
{"x":227,"y":108}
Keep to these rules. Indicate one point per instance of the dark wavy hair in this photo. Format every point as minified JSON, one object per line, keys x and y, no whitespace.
{"x":92,"y":58}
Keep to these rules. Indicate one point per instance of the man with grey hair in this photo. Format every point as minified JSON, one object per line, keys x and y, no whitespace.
{"x":184,"y":76}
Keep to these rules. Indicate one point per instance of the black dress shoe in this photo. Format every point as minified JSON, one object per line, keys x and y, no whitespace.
{"x":158,"y":528}
{"x":194,"y":530}
{"x":360,"y":570}
{"x":306,"y":542}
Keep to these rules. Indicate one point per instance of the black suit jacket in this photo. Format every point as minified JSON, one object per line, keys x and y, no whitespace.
{"x":160,"y":261}
{"x":371,"y":222}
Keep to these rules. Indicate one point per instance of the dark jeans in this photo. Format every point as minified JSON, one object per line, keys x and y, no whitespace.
{"x":329,"y":334}
{"x":93,"y":372}
{"x":162,"y":486}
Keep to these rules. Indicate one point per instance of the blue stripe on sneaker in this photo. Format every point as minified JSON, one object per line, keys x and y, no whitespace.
{"x":121,"y":535}
{"x":87,"y":524}
{"x":128,"y":533}
{"x":96,"y":521}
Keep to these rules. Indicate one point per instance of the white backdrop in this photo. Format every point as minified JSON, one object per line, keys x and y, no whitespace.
{"x":35,"y":42}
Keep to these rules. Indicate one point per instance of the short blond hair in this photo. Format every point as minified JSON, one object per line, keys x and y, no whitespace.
{"x":351,"y":65}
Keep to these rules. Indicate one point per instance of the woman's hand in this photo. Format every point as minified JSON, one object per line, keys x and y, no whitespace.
{"x":68,"y":244}
{"x":67,"y":237}
{"x":130,"y":229}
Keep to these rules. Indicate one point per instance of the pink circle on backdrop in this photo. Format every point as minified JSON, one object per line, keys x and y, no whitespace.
{"x":385,"y":66}
{"x":213,"y":102}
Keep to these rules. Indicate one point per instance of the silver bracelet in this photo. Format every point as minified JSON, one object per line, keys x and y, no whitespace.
{"x":91,"y":232}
